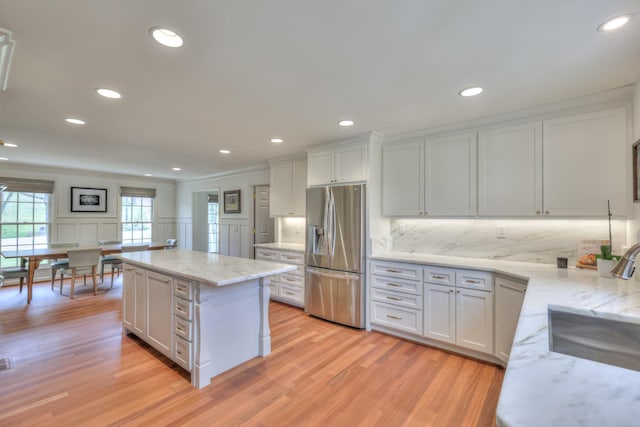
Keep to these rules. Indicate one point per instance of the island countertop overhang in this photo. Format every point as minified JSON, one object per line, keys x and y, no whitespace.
{"x":206,"y":268}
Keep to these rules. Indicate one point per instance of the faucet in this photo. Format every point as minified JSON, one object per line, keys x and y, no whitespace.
{"x":624,"y":268}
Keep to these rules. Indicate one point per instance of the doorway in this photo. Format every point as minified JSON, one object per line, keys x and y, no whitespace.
{"x":262,"y":221}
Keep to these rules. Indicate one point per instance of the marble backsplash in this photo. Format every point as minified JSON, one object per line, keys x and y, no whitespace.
{"x":290,"y":230}
{"x":532,"y":240}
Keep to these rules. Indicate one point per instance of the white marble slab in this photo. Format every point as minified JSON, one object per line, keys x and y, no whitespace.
{"x":206,"y":268}
{"x":294,"y":247}
{"x":544,"y":388}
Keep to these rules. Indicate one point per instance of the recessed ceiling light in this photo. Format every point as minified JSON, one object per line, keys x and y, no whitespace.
{"x":225,"y":151}
{"x":345,"y":123}
{"x":471,"y":91}
{"x":276,"y":140}
{"x":614,"y":23}
{"x":3,"y":158}
{"x":166,"y":37}
{"x":176,"y":169}
{"x":7,"y":144}
{"x":75,"y":121}
{"x":109,"y":93}
{"x":148,"y":174}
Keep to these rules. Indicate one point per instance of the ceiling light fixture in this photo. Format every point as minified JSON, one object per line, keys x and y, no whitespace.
{"x":276,"y":140}
{"x":346,"y":123}
{"x":225,"y":151}
{"x":109,"y":93}
{"x":176,"y":169}
{"x":75,"y":121}
{"x":471,"y":91}
{"x":3,"y":158}
{"x":614,"y":23}
{"x":166,"y":37}
{"x":7,"y":144}
{"x":148,"y":174}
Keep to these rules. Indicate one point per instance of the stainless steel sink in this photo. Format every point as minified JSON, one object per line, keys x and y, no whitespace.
{"x":614,"y":340}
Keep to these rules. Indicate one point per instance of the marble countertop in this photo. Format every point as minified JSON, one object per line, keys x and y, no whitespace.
{"x":296,"y":247}
{"x":207,"y":268}
{"x":544,"y":388}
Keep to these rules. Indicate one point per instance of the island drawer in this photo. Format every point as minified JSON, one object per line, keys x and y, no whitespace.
{"x":292,"y":257}
{"x":292,"y":293}
{"x":183,"y":328}
{"x":400,"y":285}
{"x":471,"y":279}
{"x":397,"y":298}
{"x":182,"y":309}
{"x":182,"y":353}
{"x":440,"y":276}
{"x":404,"y":319}
{"x":182,"y":289}
{"x":395,"y":269}
{"x":267,"y":254}
{"x":290,"y":279}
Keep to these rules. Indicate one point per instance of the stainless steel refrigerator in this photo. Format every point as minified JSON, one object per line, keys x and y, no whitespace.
{"x":335,"y":264}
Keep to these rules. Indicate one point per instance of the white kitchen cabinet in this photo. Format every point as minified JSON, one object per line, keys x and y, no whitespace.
{"x":288,"y":183}
{"x":440,"y":312}
{"x":286,"y":287}
{"x":510,"y":170}
{"x":432,"y":177}
{"x":160,"y":297}
{"x":340,"y":165}
{"x":584,"y":161}
{"x":509,"y":296}
{"x":134,"y":302}
{"x":474,"y":319}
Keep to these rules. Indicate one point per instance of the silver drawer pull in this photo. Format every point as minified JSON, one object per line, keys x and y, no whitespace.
{"x":394,"y":284}
{"x":439,"y":277}
{"x":179,"y":329}
{"x":394,"y":298}
{"x":167,"y":281}
{"x":179,"y":352}
{"x":389,"y":270}
{"x":130,"y":269}
{"x":266,"y":254}
{"x":394,"y":317}
{"x":473,"y":281}
{"x":289,"y":293}
{"x":290,"y":257}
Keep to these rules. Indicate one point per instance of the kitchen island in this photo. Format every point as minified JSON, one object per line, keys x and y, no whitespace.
{"x":546,"y":388}
{"x":206,"y":312}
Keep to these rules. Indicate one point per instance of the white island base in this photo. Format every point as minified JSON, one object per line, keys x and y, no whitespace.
{"x":205,"y":328}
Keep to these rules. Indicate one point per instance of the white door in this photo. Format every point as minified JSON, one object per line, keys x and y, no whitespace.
{"x":403,"y":179}
{"x":510,"y":170}
{"x":509,"y":297}
{"x":439,"y":312}
{"x":474,"y":319}
{"x":263,"y":223}
{"x":160,"y":312}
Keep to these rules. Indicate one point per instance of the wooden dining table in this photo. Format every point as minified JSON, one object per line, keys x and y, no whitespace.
{"x":33,"y":257}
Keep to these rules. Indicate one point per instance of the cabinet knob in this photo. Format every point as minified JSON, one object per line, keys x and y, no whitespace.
{"x":457,"y":292}
{"x":426,"y":213}
{"x":291,"y":213}
{"x":546,"y":212}
{"x":451,"y":291}
{"x":537,"y":212}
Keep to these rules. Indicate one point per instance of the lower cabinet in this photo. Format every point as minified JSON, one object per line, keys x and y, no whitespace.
{"x":286,"y":287}
{"x":134,"y":305}
{"x":509,"y":298}
{"x":159,"y":325}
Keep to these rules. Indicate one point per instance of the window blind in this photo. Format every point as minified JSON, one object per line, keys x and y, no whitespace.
{"x":24,"y":185}
{"x":137,"y":192}
{"x":213,"y":198}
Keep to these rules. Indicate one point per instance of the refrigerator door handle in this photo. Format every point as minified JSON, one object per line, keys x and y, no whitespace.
{"x":343,"y":276}
{"x":333,"y":225}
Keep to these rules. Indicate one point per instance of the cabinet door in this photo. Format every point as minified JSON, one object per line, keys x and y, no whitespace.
{"x":450,"y":175}
{"x":350,"y":164}
{"x":320,"y":168}
{"x":160,"y":312}
{"x":474,"y":320}
{"x":140,"y":303}
{"x":280,"y":189}
{"x":299,"y":189}
{"x":128,"y":297}
{"x":509,"y":297}
{"x":439,"y":312}
{"x":584,"y":164}
{"x":510,"y":171}
{"x":403,"y":179}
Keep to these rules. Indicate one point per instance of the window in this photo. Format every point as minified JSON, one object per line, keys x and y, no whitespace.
{"x":24,"y":216}
{"x":137,"y":214}
{"x":213,"y":222}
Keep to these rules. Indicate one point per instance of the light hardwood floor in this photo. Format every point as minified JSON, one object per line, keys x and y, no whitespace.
{"x":72,"y":366}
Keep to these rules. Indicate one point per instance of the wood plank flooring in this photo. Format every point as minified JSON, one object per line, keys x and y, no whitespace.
{"x":71,"y":366}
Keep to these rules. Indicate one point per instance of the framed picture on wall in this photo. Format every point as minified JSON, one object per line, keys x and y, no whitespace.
{"x":232,"y":201}
{"x":88,"y":199}
{"x":636,"y":170}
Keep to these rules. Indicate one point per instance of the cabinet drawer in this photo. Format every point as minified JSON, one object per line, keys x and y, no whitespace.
{"x":182,"y":353}
{"x":404,"y":319}
{"x":183,"y":290}
{"x":395,"y":269}
{"x":291,"y":292}
{"x":291,"y":257}
{"x":267,"y":254}
{"x":182,"y":309}
{"x":401,"y":285}
{"x":183,"y":328}
{"x":290,"y":279}
{"x":471,"y":279}
{"x":440,"y":275}
{"x":397,"y":298}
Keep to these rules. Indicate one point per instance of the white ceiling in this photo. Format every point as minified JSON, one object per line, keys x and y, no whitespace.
{"x":254,"y":69}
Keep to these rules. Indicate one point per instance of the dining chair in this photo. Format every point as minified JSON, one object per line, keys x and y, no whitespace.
{"x":14,"y":273}
{"x":117,"y":264}
{"x":61,"y":263}
{"x":108,"y":259}
{"x":82,"y":261}
{"x":171,"y":244}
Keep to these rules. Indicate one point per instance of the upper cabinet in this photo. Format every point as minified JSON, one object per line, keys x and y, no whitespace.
{"x":288,"y":183}
{"x":510,"y":170}
{"x":584,"y":164}
{"x":342,"y":164}
{"x":435,"y":176}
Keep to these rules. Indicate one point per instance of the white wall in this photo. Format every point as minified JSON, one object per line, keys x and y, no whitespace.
{"x":235,"y":229}
{"x":633,"y":231}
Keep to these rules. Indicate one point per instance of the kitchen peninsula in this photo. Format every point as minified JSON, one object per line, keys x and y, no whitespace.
{"x":206,"y":312}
